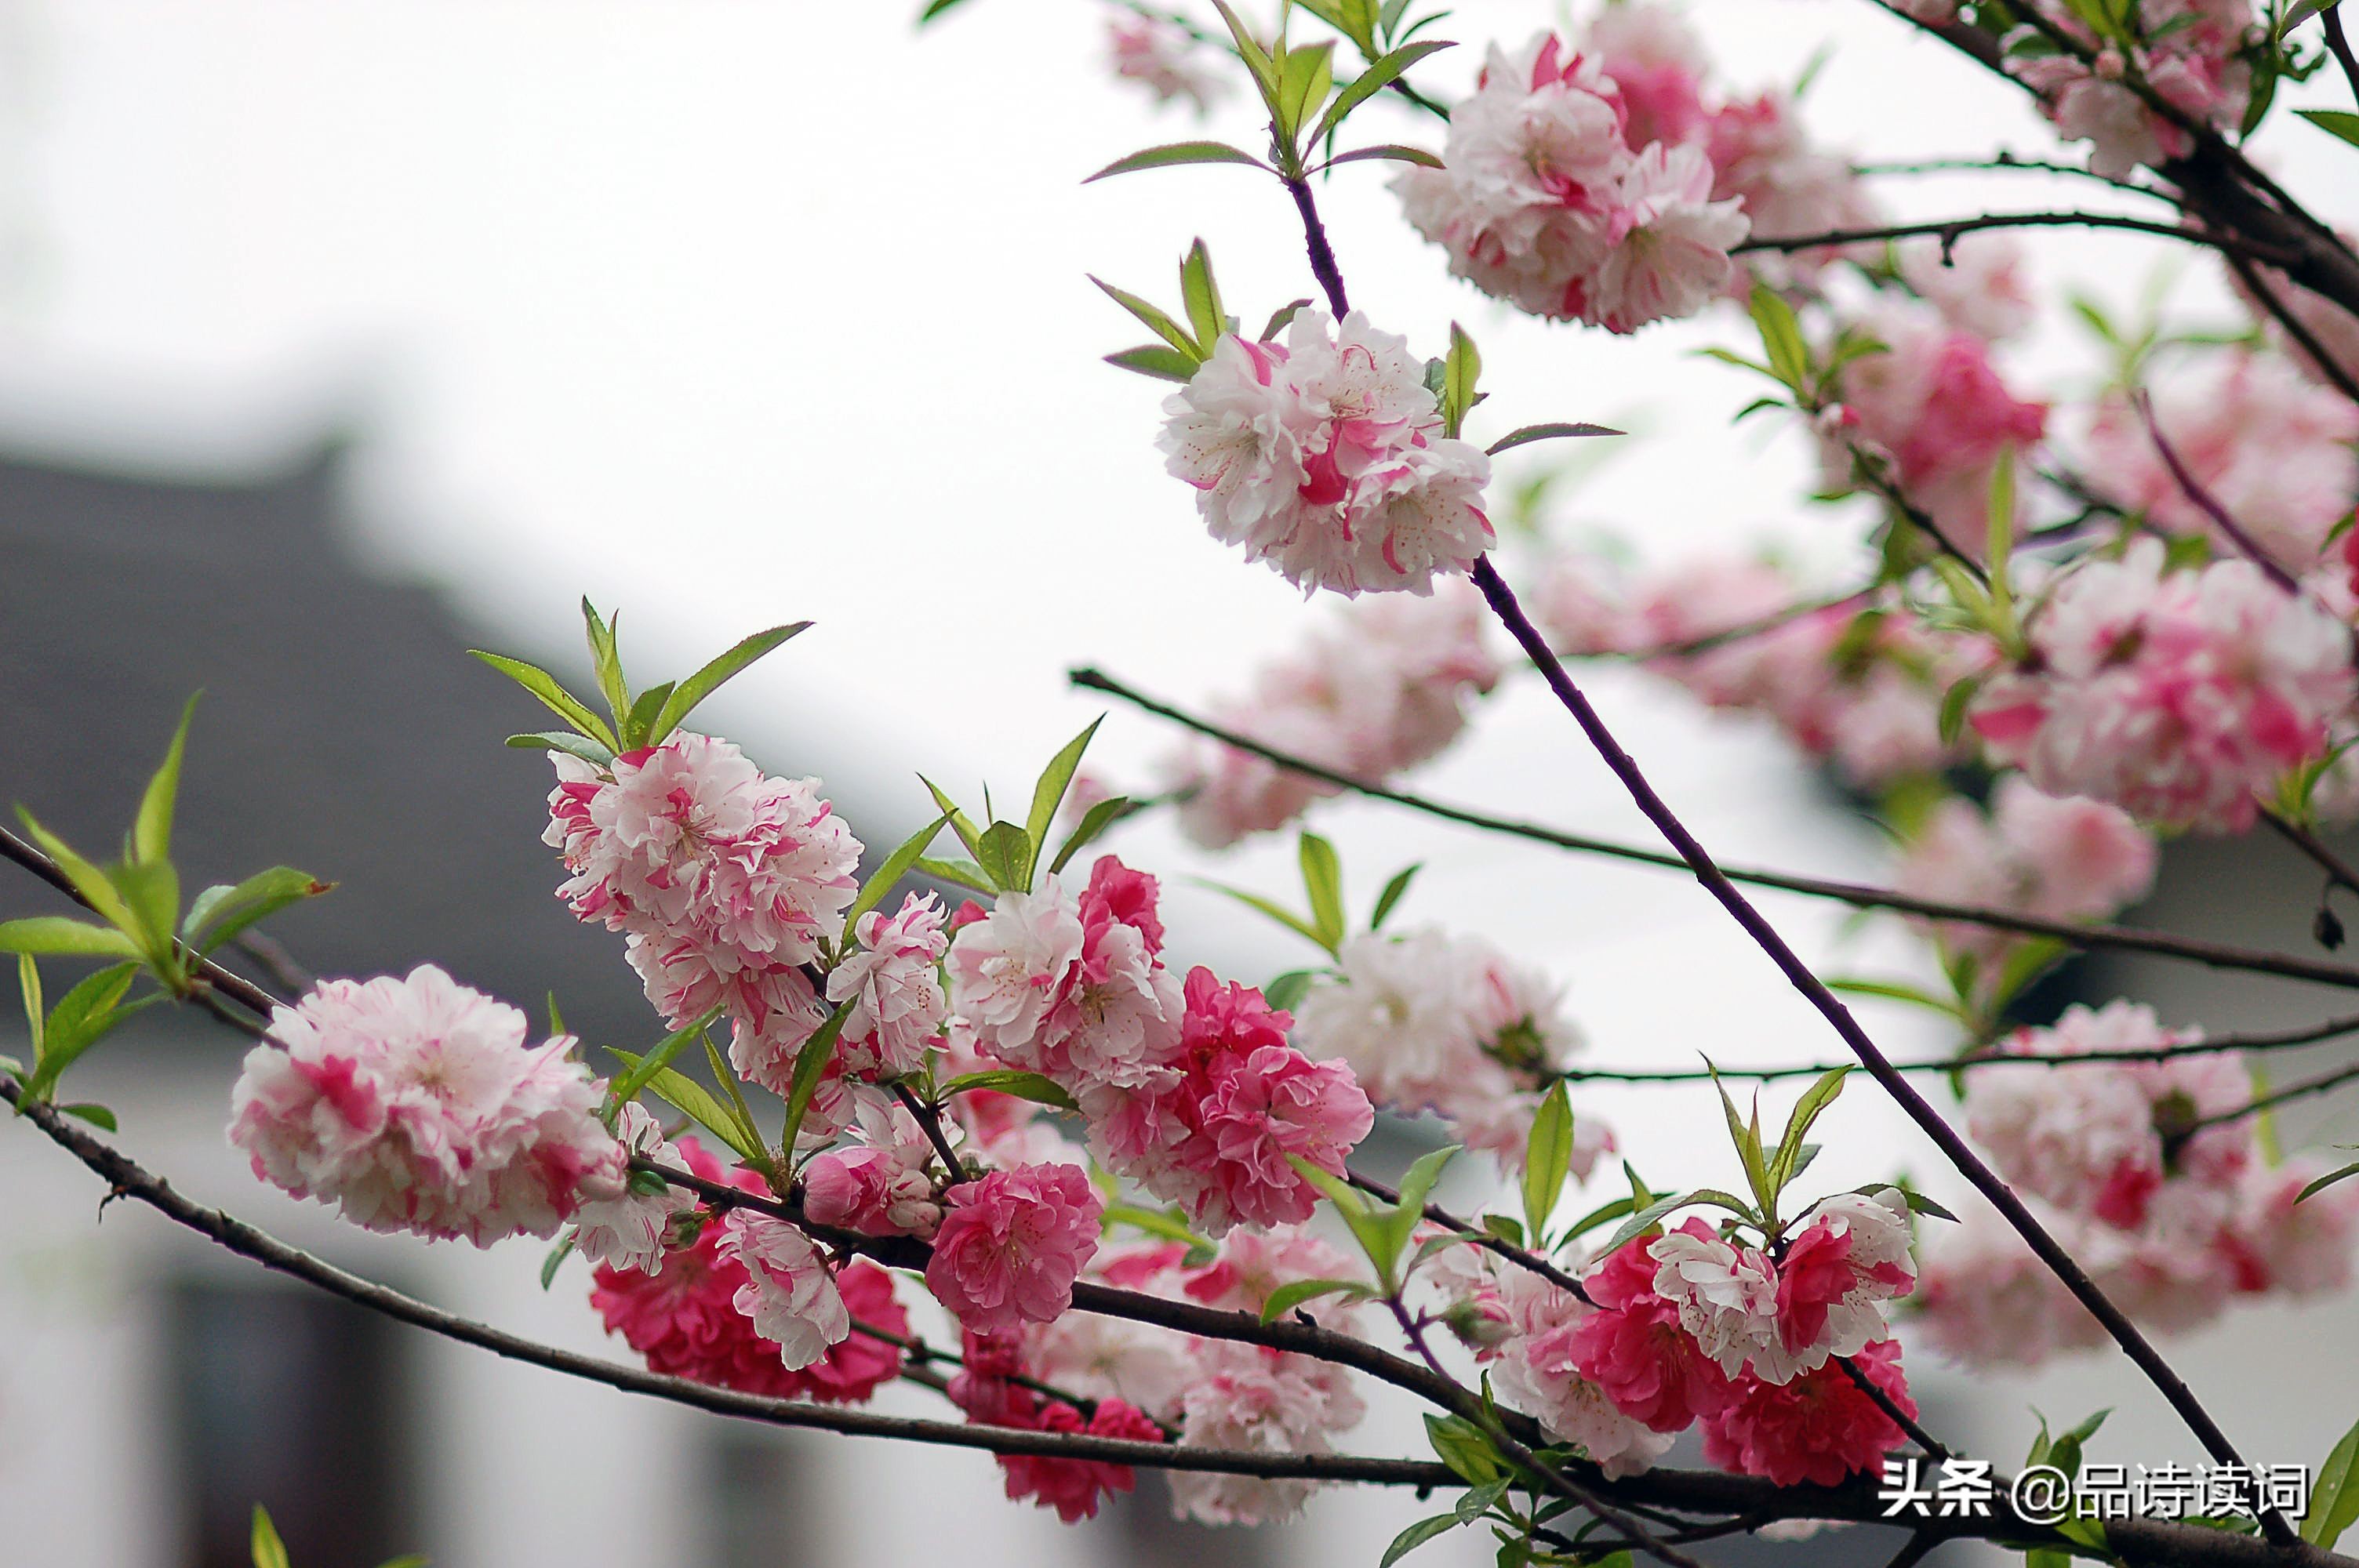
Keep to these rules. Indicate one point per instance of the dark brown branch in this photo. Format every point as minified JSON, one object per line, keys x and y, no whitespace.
{"x":1900,"y":1418}
{"x":2313,"y":847}
{"x":2295,"y":327}
{"x":1950,"y":230}
{"x":1323,"y":255}
{"x":2006,"y":162}
{"x":2209,"y":505}
{"x":1945,"y":1138}
{"x":2302,"y":1090}
{"x":2338,"y":44}
{"x":1859,"y":895}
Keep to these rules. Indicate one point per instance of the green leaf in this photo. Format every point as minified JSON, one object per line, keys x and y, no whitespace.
{"x":1546,"y":1157}
{"x":1588,"y":1222}
{"x":151,"y":831}
{"x":642,"y":1071}
{"x":1382,"y":72}
{"x":553,"y":697}
{"x":896,"y":865}
{"x":565,"y":741}
{"x":1293,"y":1294}
{"x":1781,"y":337}
{"x":1277,"y":912}
{"x":960,"y":823}
{"x":152,"y":891}
{"x":963,"y":874}
{"x":1998,"y":537}
{"x":1954,"y":703}
{"x":1646,"y":1219}
{"x":606,"y":665}
{"x":1249,"y":50}
{"x":2334,"y":1497}
{"x":420,"y":1559}
{"x":810,"y":1065}
{"x":1287,"y":991}
{"x":1893,"y":990}
{"x":1401,"y":1221}
{"x":1202,"y":297}
{"x":1174,"y":154}
{"x":1479,"y":1500}
{"x":223,"y":911}
{"x":1304,"y":78}
{"x":1531,"y":433}
{"x":1348,"y":1200}
{"x":56,"y":933}
{"x":1815,"y":1100}
{"x":1033,"y":1086}
{"x":82,"y":1017}
{"x":1416,"y":1535}
{"x":1465,"y":1448}
{"x":1005,"y":853}
{"x":1323,"y":882}
{"x":557,"y":1255}
{"x":1279,"y":317}
{"x":28,"y":981}
{"x":1095,"y":821}
{"x":2335,"y":122}
{"x":98,"y":1116}
{"x":1392,"y":894}
{"x":640,"y":726}
{"x":935,"y":8}
{"x":1156,"y":360}
{"x":685,"y":1095}
{"x":1460,"y":373}
{"x":269,"y":1552}
{"x":1166,"y":1223}
{"x":1048,"y":793}
{"x":92,"y":883}
{"x":715,"y":674}
{"x":2328,"y":1180}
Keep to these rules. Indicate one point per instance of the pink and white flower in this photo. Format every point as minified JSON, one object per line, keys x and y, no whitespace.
{"x":1164,"y":57}
{"x":894,"y":987}
{"x":790,"y":1292}
{"x":415,"y":1104}
{"x":1011,"y":1245}
{"x":629,"y":1231}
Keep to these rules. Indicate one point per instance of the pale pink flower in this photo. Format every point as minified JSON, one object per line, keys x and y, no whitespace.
{"x":629,"y":1231}
{"x":1764,"y":160}
{"x":1384,"y":684}
{"x":1657,"y":64}
{"x":2058,"y":858}
{"x":1977,"y":283}
{"x":1669,"y":256}
{"x":1007,"y":968}
{"x":1538,"y":1372}
{"x":789,"y":1293}
{"x":2175,"y":696}
{"x":878,"y":1186}
{"x":1011,"y":1245}
{"x":895,"y":991}
{"x":2271,"y":448}
{"x":1985,"y":1299}
{"x":2336,"y":328}
{"x":1246,"y":1400}
{"x":1726,"y":1295}
{"x":1164,"y":57}
{"x":2193,"y":59}
{"x":415,"y":1104}
{"x":690,"y":839}
{"x":2301,"y":1248}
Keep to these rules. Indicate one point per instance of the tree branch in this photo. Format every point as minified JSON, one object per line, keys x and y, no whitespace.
{"x":1859,"y":895}
{"x":1948,"y":230}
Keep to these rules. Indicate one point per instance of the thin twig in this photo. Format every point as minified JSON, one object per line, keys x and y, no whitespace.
{"x":1900,"y":1418}
{"x":2006,"y":162}
{"x":2295,"y":327}
{"x":1859,"y":895}
{"x":2338,"y":44}
{"x":2209,"y":505}
{"x":1949,"y":231}
{"x":2302,"y":1090}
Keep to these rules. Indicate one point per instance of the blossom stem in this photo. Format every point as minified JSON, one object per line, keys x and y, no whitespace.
{"x":2302,"y":1090}
{"x":2208,"y":503}
{"x":1859,"y":895}
{"x":1900,"y":1418}
{"x":1324,"y":265}
{"x":1945,"y":1138}
{"x":929,"y":1118}
{"x":1949,"y":231}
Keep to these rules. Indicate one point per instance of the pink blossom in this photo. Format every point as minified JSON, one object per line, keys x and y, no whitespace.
{"x":1670,"y":254}
{"x":1162,"y":57}
{"x":2336,"y":328}
{"x":2285,"y":1243}
{"x":1634,"y":1349}
{"x":1247,"y":1399}
{"x":630,"y":1231}
{"x":1985,"y":1299}
{"x":2175,"y":696}
{"x":1074,"y":1486}
{"x":878,"y":1186}
{"x":415,"y":1104}
{"x":1726,"y":1296}
{"x":691,"y":840}
{"x":1384,"y":684}
{"x":1325,"y":458}
{"x":1764,"y":160}
{"x":1538,"y":1372}
{"x":1251,"y":1265}
{"x":1818,"y":1428}
{"x":789,"y":1293}
{"x":684,"y":1322}
{"x":1838,"y":1271}
{"x":1657,"y":65}
{"x":1977,"y":283}
{"x":890,"y":981}
{"x":1011,"y":1245}
{"x":2272,"y":449}
{"x":1007,"y":968}
{"x":2193,"y":60}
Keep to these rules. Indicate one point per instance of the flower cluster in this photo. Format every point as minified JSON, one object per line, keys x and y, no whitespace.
{"x":2191,"y":60}
{"x":1191,"y":1090}
{"x":742,"y":1303}
{"x":2156,"y":1186}
{"x":1324,"y":457}
{"x":2175,"y":695}
{"x":1383,"y":687}
{"x":726,"y":879}
{"x":2054,"y":858}
{"x":1692,"y":1328}
{"x":415,"y":1104}
{"x":1431,"y":1022}
{"x":1555,"y":195}
{"x":1163,"y":58}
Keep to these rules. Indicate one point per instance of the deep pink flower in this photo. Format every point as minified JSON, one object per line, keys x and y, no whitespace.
{"x":1072,"y":1487}
{"x":1633,"y":1349}
{"x":684,"y":1322}
{"x":1013,"y":1243}
{"x":1818,"y":1428}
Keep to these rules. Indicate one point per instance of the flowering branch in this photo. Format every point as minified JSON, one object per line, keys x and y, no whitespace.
{"x":1945,"y":1138}
{"x":1857,"y":894}
{"x":2302,"y":1090}
{"x":2206,"y":502}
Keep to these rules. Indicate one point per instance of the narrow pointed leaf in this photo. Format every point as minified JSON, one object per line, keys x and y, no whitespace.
{"x":1202,"y":296}
{"x":225,"y":910}
{"x":963,"y":874}
{"x":607,"y":665}
{"x":1095,"y":821}
{"x":1388,"y":152}
{"x":719,"y":672}
{"x":55,"y":933}
{"x":1387,"y":899}
{"x":1159,"y":360}
{"x":896,"y":865}
{"x":151,"y":832}
{"x":553,"y":697}
{"x":1294,"y":1293}
{"x":810,"y":1065}
{"x":1380,"y":74}
{"x":626,"y":1088}
{"x":1546,"y":1158}
{"x":1279,"y":913}
{"x":567,"y":742}
{"x":1531,"y":433}
{"x":88,"y":879}
{"x":1322,"y":884}
{"x":2334,"y":1496}
{"x":1048,"y":793}
{"x":1034,"y":1087}
{"x":1005,"y":853}
{"x":1175,"y":154}
{"x":684,"y":1094}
